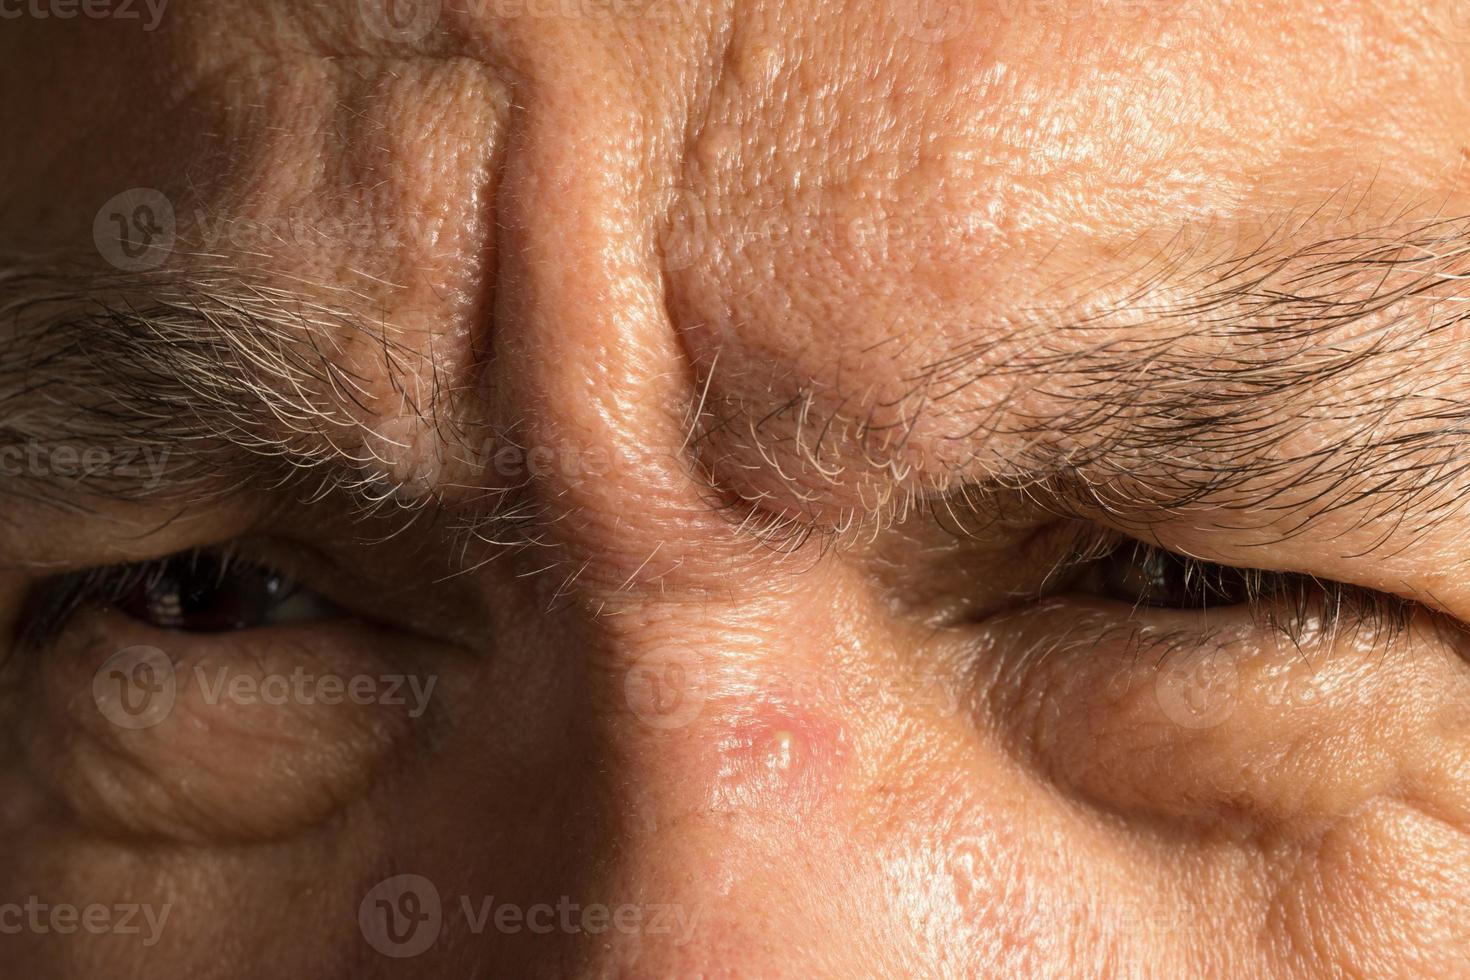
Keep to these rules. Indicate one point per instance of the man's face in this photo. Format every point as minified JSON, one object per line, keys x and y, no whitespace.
{"x":676,"y":488}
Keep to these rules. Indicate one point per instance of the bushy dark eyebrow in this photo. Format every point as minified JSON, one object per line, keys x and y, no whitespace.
{"x":1227,"y":358}
{"x":1261,"y":380}
{"x":1291,"y":380}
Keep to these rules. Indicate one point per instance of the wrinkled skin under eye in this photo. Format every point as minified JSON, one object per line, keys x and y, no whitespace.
{"x":1156,"y":683}
{"x":268,"y":707}
{"x":1113,"y":738}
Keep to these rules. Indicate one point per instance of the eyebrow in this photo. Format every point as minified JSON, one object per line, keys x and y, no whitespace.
{"x":1281,"y":379}
{"x":171,"y":389}
{"x":1229,"y":355}
{"x":1295,"y":379}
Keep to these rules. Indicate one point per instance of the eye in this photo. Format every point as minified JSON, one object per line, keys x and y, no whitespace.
{"x":213,"y":593}
{"x":191,"y":592}
{"x":1147,"y":576}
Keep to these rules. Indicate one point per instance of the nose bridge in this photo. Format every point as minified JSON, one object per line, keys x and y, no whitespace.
{"x":711,"y":667}
{"x":727,"y":758}
{"x":588,"y":358}
{"x":731,"y":763}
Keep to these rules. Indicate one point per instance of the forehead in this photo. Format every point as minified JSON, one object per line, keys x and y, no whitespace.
{"x":1028,"y":117}
{"x":884,"y":141}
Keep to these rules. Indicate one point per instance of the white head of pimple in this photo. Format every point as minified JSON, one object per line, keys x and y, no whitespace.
{"x":781,"y":749}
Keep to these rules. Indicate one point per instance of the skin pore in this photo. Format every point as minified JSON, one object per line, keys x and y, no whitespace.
{"x":859,"y":489}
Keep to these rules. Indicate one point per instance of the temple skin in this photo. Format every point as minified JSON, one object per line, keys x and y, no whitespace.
{"x":730,"y":683}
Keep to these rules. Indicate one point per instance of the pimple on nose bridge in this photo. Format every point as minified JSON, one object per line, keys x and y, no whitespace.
{"x":781,"y":760}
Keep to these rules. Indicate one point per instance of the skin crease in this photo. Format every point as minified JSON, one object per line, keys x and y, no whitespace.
{"x":587,"y":224}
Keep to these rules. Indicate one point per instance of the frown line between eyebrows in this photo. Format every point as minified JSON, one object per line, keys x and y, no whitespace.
{"x":1270,"y":383}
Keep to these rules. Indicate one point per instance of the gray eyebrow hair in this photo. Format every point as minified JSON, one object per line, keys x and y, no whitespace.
{"x":182,"y":389}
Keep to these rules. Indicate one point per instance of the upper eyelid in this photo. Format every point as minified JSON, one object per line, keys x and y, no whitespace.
{"x":1339,"y":602}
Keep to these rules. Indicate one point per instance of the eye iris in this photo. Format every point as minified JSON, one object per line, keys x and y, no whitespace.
{"x":206,"y":593}
{"x":1153,"y":577}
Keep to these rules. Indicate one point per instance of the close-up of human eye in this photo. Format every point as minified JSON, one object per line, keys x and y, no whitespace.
{"x":1174,"y":613}
{"x":224,"y":698}
{"x":1152,"y":577}
{"x":686,"y":489}
{"x":1149,"y":577}
{"x":198,"y":591}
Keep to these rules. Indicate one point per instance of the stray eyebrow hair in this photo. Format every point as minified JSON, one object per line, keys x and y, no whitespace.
{"x":181,"y":390}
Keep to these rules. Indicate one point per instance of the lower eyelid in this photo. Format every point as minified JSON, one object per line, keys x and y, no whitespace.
{"x":1159,"y":713}
{"x":211,"y":762}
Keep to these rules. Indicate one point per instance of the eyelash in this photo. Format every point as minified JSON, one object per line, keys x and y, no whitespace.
{"x":55,"y":601}
{"x":1284,"y":601}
